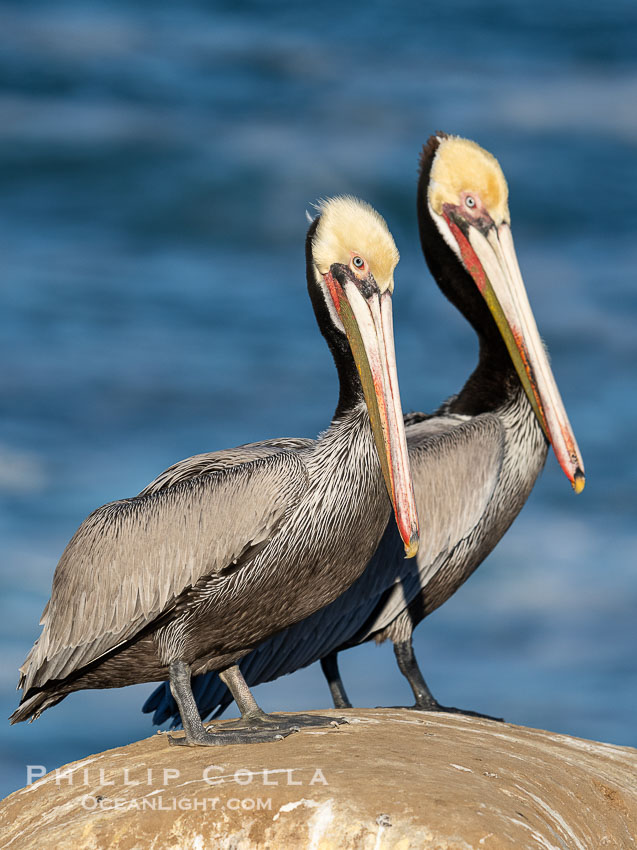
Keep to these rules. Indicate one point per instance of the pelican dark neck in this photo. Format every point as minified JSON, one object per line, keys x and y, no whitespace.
{"x":494,"y":381}
{"x":350,"y":387}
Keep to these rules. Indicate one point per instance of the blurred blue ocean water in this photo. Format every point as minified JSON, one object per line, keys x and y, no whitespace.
{"x":155,"y":168}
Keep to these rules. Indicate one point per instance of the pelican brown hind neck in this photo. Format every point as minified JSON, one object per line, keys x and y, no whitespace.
{"x":196,"y":571}
{"x":474,"y":462}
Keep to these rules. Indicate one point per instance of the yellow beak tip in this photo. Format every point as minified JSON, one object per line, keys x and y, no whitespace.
{"x":579,"y":482}
{"x":411,"y":548}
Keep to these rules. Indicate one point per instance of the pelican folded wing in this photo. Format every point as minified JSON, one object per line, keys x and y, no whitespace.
{"x":130,"y":560}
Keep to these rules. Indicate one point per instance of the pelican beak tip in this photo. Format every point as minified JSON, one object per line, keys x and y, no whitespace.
{"x":579,"y":481}
{"x":411,"y":548}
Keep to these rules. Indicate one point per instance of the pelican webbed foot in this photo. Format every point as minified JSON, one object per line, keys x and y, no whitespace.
{"x":434,"y":705}
{"x":284,"y":722}
{"x":221,"y":738}
{"x":253,"y":717}
{"x":253,"y":730}
{"x":254,"y":726}
{"x":258,"y":729}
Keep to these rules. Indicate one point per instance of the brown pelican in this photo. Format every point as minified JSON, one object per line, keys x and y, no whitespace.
{"x":474,"y":462}
{"x":194,"y":574}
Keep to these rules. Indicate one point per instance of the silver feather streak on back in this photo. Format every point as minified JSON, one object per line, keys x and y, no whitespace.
{"x":204,"y":464}
{"x":471,"y":475}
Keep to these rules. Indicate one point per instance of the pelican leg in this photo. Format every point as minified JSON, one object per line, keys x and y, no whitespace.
{"x":181,"y":690}
{"x":425,"y":700}
{"x":329,"y":666}
{"x":254,"y":718}
{"x":233,"y":679}
{"x":196,"y":734}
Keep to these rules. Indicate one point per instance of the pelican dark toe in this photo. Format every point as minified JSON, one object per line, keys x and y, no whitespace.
{"x":220,"y":738}
{"x":286,"y":722}
{"x":449,"y":709}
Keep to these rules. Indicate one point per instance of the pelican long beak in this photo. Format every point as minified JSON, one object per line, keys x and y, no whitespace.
{"x":366,"y":315}
{"x":489,"y":256}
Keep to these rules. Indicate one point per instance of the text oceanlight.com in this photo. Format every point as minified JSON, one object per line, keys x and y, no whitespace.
{"x":161,"y":803}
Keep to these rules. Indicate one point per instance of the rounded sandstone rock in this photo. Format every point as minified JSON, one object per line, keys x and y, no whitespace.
{"x":391,"y":778}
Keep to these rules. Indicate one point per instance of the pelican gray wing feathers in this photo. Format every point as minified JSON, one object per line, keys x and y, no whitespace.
{"x":149,"y":551}
{"x":207,"y":462}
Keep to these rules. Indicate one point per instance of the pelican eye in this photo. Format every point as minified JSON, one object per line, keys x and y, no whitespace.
{"x":359,"y":262}
{"x":470,"y":202}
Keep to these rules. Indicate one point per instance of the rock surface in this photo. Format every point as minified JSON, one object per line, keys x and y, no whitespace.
{"x":391,"y":778}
